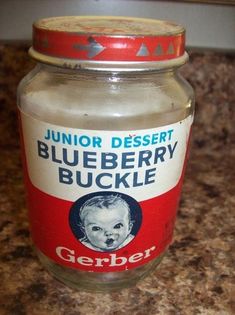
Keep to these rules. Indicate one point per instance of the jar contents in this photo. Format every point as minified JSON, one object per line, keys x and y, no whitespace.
{"x":105,"y":121}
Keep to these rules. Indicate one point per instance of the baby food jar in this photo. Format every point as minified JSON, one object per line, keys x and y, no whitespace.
{"x":105,"y":120}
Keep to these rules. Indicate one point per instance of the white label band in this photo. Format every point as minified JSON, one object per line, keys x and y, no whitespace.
{"x":68,"y":163}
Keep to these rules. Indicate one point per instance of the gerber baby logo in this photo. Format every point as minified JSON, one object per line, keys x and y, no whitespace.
{"x":105,"y":221}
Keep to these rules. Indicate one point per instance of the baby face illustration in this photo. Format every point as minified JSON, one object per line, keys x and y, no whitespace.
{"x":107,"y":228}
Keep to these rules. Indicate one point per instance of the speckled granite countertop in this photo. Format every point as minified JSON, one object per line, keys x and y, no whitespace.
{"x":196,"y":276}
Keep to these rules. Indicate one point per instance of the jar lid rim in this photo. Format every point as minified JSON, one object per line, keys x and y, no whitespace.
{"x":109,"y":39}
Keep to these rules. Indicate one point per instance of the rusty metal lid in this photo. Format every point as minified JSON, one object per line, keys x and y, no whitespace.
{"x":102,"y":42}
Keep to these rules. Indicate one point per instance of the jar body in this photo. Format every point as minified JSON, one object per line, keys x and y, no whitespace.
{"x":105,"y":101}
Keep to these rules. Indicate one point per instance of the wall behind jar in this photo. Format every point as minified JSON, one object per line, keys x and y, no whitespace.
{"x":208,"y":26}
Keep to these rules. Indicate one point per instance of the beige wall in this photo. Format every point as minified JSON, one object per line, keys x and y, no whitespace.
{"x":207,"y":25}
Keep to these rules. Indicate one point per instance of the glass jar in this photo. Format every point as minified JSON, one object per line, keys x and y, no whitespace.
{"x":105,"y":120}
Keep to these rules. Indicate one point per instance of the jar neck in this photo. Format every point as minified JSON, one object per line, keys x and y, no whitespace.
{"x":167,"y":72}
{"x":110,"y":66}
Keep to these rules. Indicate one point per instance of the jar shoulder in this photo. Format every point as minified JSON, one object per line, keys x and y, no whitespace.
{"x":81,"y":98}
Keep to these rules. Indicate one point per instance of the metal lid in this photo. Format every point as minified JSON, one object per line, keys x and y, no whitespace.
{"x":108,"y":42}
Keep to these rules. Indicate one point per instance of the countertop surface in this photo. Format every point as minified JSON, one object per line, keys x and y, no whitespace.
{"x":197,"y":275}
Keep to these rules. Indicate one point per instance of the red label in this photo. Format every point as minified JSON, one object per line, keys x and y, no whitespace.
{"x":54,"y":234}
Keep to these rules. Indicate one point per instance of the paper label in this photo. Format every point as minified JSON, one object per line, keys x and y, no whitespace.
{"x":103,"y":201}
